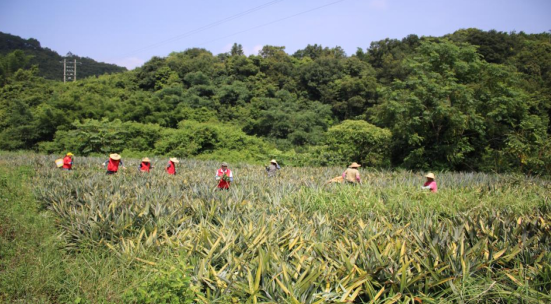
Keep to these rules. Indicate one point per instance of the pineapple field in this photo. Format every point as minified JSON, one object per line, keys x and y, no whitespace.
{"x":483,"y":238}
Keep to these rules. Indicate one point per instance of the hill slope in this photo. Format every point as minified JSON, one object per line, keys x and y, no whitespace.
{"x":48,"y":61}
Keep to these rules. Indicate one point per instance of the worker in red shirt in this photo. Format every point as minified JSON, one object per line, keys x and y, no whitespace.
{"x":171,"y":166}
{"x":68,"y":161}
{"x":113,"y":163}
{"x":430,"y":184}
{"x":225,"y":177}
{"x":145,"y":166}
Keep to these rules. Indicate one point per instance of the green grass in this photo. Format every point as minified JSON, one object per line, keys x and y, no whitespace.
{"x":35,"y":266}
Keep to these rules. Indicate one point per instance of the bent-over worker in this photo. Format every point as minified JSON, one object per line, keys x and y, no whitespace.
{"x":145,"y":166}
{"x":272,"y":168}
{"x":430,"y":184}
{"x":171,"y":166}
{"x":113,"y":163}
{"x":352,"y":175}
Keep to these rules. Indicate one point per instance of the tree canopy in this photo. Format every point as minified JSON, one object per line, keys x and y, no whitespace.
{"x":471,"y":100}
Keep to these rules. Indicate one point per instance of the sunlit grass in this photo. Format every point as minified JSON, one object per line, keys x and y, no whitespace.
{"x":295,"y":238}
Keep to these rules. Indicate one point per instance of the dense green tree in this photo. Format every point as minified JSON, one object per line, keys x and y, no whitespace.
{"x":494,"y":46}
{"x":359,"y":141}
{"x":316,"y":51}
{"x":472,"y":100}
{"x":386,"y":57}
{"x":11,"y":63}
{"x":237,"y":50}
{"x":451,"y":107}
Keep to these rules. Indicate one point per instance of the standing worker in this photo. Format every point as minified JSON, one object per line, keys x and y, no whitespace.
{"x":272,"y":168}
{"x":225,"y":176}
{"x":430,"y":184}
{"x":145,"y":166}
{"x":352,"y":175}
{"x":68,"y":161}
{"x":171,"y":166}
{"x":113,"y":163}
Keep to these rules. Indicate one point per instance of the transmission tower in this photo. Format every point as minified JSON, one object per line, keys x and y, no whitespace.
{"x":70,"y":68}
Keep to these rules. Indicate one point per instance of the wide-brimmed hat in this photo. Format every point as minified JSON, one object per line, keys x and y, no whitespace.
{"x":69,"y":154}
{"x":430,"y":175}
{"x":146,"y":160}
{"x":174,"y":160}
{"x":114,"y":156}
{"x":273,"y":161}
{"x":224,"y":164}
{"x":354,"y":165}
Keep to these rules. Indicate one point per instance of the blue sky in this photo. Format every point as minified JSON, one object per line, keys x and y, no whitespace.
{"x":129,"y":33}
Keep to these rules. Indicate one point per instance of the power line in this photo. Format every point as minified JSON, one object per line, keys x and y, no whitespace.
{"x":208,"y":26}
{"x":272,"y":22}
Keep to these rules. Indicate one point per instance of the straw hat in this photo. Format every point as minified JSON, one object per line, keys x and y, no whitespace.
{"x":354,"y":165}
{"x":146,"y":160}
{"x":224,"y":164}
{"x":174,"y":160}
{"x":430,"y":175}
{"x":69,"y":154}
{"x":273,"y":161}
{"x":114,"y":156}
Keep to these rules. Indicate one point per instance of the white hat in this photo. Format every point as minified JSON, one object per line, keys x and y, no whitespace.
{"x":354,"y":165}
{"x":114,"y":156}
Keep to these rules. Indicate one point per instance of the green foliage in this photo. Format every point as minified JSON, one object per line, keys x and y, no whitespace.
{"x":12,"y":62}
{"x":211,"y":141}
{"x":104,"y":137}
{"x":452,"y":106}
{"x":359,"y":141}
{"x":34,"y":262}
{"x":294,"y":121}
{"x":169,"y":283}
{"x":472,"y":100}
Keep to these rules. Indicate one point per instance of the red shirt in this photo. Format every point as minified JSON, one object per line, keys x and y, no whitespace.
{"x":145,"y":167}
{"x":432,"y":185}
{"x":113,"y":165}
{"x":224,"y":184}
{"x":171,"y":169}
{"x":67,"y":162}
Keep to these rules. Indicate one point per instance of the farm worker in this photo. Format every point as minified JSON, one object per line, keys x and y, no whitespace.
{"x":171,"y":166}
{"x":430,"y":184}
{"x":68,"y":161}
{"x":272,"y":168}
{"x":352,"y":175}
{"x":145,"y":166}
{"x":225,"y":176}
{"x":113,"y":163}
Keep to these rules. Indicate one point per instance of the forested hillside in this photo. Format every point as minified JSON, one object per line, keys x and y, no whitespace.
{"x":49,"y":62}
{"x":471,"y":100}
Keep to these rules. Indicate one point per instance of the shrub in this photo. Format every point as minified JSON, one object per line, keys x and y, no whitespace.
{"x":357,"y":140}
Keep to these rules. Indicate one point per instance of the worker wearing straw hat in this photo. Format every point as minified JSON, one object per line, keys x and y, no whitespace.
{"x":171,"y":166}
{"x":225,"y":176}
{"x":113,"y":163}
{"x":68,"y":161}
{"x":145,"y":165}
{"x":272,"y":168}
{"x":351,"y":175}
{"x":430,"y":184}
